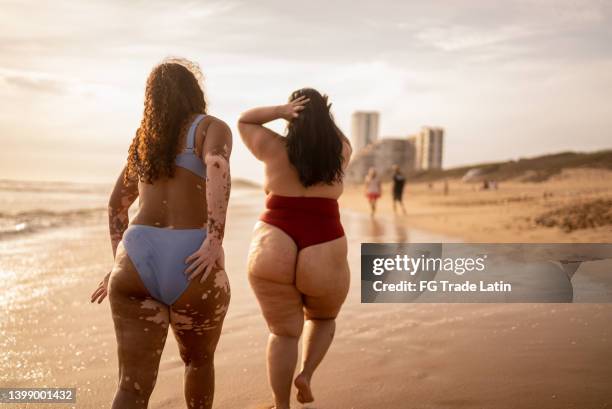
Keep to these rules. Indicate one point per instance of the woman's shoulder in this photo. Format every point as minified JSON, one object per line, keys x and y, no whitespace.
{"x":216,"y":128}
{"x":218,"y":122}
{"x":276,"y":146}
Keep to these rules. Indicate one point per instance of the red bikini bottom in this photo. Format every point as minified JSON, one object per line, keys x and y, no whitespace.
{"x":307,"y":220}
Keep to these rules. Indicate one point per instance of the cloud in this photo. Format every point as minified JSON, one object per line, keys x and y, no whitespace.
{"x":42,"y":85}
{"x":455,"y":38}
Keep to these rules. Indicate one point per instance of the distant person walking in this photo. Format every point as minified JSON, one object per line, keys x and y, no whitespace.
{"x":372,"y":189}
{"x":399,"y":181}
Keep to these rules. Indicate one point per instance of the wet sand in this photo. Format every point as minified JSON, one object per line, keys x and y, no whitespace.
{"x":384,"y":356}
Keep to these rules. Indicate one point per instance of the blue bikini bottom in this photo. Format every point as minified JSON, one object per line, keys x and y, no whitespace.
{"x":159,"y":257}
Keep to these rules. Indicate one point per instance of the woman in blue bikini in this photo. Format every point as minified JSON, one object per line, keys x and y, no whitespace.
{"x":168,"y":269}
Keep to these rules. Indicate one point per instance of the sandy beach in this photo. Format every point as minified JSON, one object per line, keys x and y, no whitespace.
{"x":517,"y":212}
{"x":385,"y":356}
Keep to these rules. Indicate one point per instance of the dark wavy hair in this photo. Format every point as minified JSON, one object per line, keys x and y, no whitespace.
{"x":314,"y":142}
{"x":173,"y":95}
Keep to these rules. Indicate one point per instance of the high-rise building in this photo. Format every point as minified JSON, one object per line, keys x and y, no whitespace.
{"x":429,"y":148}
{"x":364,"y":129}
{"x":420,"y":151}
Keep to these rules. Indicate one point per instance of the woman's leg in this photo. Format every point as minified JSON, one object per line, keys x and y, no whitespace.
{"x":372,"y":206}
{"x":323,"y":277}
{"x":271,"y":274}
{"x":318,"y":336}
{"x":141,"y":326}
{"x":197,"y":319}
{"x":281,"y":305}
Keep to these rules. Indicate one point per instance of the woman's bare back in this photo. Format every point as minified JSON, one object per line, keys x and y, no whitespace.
{"x":169,"y":202}
{"x":281,"y":177}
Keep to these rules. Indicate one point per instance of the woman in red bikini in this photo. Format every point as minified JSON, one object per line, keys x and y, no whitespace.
{"x":298,"y":258}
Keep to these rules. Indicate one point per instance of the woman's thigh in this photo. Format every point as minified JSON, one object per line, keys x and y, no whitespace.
{"x":271,"y":269}
{"x":323,"y":277}
{"x":272,"y":254}
{"x":141,"y":325}
{"x":197,"y":316}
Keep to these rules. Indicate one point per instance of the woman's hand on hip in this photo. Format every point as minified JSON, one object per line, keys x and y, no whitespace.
{"x":102,"y":291}
{"x":205,"y":259}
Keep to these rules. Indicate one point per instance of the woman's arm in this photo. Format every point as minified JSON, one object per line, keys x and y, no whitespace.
{"x":216,"y":154}
{"x":256,"y":136}
{"x":122,"y":197}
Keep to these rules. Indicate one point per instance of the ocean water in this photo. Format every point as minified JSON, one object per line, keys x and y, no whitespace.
{"x":27,"y":207}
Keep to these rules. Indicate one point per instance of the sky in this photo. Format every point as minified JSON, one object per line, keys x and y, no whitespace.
{"x":505,"y":79}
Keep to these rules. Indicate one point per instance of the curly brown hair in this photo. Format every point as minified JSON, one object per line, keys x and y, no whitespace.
{"x":172,"y":96}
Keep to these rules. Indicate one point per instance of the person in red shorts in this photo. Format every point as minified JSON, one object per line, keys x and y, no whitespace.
{"x":373,"y":189}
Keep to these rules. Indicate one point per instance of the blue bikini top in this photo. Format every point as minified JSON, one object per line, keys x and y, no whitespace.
{"x":188,"y":159}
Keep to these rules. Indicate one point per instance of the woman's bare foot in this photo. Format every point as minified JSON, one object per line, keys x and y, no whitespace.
{"x":302,"y":383}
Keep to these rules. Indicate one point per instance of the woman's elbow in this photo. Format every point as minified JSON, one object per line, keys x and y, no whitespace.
{"x":244,"y":130}
{"x":242,"y":120}
{"x":240,"y":125}
{"x":114,"y":204}
{"x":111,"y":208}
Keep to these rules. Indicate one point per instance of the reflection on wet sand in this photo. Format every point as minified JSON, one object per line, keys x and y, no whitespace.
{"x":365,"y":229}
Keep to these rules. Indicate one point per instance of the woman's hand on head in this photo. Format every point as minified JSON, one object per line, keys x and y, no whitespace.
{"x":209,"y":255}
{"x":101,"y":292}
{"x":292,"y":110}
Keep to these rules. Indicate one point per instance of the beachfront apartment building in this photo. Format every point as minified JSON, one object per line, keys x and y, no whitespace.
{"x":364,"y":129}
{"x":428,"y":144}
